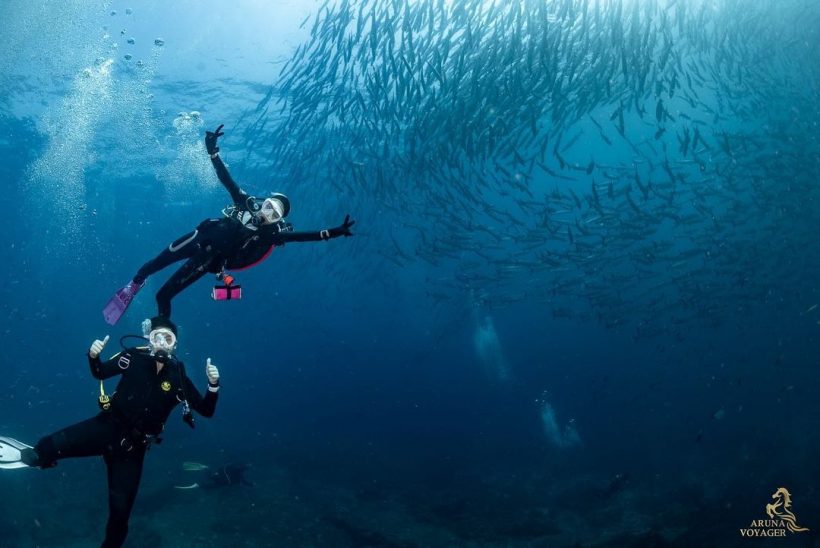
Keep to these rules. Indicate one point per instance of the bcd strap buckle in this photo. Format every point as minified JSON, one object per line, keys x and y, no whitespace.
{"x":104,"y":402}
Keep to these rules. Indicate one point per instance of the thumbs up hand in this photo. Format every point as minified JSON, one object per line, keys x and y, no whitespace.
{"x":212,"y":372}
{"x":97,"y":347}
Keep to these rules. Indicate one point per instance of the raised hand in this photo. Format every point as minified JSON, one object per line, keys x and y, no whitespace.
{"x":97,"y":347}
{"x":211,"y":138}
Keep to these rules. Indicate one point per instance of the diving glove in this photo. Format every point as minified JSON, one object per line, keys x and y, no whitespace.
{"x":213,"y":376}
{"x":97,"y":347}
{"x":343,"y":229}
{"x":210,"y":139}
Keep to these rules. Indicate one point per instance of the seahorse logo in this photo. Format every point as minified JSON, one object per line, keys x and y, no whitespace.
{"x":780,"y":509}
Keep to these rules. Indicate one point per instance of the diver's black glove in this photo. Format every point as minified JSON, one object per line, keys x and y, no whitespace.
{"x":210,"y":140}
{"x":343,"y":229}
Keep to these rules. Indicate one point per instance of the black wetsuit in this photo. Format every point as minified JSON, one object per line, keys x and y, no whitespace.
{"x":121,"y":435}
{"x":229,"y":243}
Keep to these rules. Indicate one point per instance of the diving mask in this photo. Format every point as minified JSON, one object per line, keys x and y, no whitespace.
{"x":272,"y":211}
{"x":162,"y":339}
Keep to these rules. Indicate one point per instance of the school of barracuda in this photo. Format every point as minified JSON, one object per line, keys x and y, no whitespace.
{"x":655,"y":160}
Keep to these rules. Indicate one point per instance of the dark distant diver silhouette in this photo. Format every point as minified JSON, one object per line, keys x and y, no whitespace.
{"x":243,"y":237}
{"x":152,"y":383}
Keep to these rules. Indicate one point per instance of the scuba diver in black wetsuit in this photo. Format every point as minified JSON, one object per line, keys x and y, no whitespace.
{"x":243,"y":237}
{"x":152,"y":383}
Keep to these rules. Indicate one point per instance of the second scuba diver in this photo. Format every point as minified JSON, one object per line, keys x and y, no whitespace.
{"x":152,"y":383}
{"x":243,"y":237}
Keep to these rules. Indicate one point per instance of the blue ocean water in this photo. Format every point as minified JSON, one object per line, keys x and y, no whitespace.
{"x":497,"y":378}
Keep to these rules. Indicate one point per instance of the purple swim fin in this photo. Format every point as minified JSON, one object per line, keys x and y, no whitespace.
{"x":118,"y":304}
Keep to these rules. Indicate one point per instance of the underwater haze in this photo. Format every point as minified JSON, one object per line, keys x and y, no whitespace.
{"x":580,"y":305}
